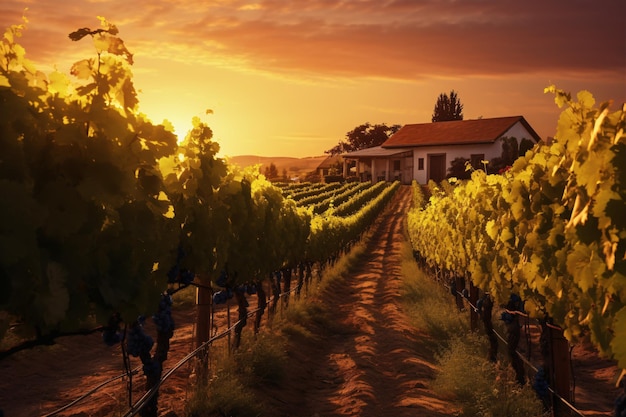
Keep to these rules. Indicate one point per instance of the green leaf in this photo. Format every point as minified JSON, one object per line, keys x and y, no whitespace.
{"x":618,"y":344}
{"x":585,"y":98}
{"x":83,"y":69}
{"x":585,"y":266}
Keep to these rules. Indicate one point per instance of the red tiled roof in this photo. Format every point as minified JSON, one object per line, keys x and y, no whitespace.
{"x":458,"y":132}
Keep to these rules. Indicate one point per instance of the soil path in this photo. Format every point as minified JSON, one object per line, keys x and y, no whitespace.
{"x":380,"y":365}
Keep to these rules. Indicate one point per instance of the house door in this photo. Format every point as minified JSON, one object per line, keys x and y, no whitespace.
{"x":437,"y":167}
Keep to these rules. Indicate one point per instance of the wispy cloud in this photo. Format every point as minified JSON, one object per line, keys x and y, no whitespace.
{"x":325,"y":66}
{"x":405,"y":39}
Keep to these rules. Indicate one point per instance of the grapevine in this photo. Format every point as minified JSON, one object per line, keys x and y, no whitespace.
{"x":551,"y":229}
{"x":109,"y":212}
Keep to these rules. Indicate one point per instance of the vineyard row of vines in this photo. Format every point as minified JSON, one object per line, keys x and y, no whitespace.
{"x":547,"y":238}
{"x":108,"y":214}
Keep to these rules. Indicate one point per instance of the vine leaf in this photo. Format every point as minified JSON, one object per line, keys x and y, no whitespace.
{"x":79,"y":34}
{"x":618,"y":344}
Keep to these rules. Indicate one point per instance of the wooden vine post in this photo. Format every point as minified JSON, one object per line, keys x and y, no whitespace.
{"x":204,"y":302}
{"x":558,"y":356}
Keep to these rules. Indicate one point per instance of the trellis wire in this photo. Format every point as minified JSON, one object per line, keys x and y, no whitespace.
{"x":526,"y":361}
{"x":137,"y":406}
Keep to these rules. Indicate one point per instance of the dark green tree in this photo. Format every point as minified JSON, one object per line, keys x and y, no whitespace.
{"x":510,"y":152}
{"x":448,"y":108}
{"x":458,"y":169}
{"x":525,"y":145}
{"x":271,"y":172}
{"x":364,"y":136}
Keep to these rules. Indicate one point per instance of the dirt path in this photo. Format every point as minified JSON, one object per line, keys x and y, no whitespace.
{"x":380,"y":365}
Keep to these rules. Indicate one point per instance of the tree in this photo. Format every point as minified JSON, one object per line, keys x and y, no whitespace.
{"x":510,"y":152}
{"x":271,"y":172}
{"x":458,"y":169}
{"x":448,"y":108}
{"x":364,"y":136}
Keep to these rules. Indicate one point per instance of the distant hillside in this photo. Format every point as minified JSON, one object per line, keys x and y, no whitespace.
{"x":296,"y":167}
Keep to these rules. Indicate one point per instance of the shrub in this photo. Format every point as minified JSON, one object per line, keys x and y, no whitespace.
{"x":482,"y":388}
{"x":224,"y":395}
{"x":262,"y":360}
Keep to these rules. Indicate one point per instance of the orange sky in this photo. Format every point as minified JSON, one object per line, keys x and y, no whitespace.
{"x":290,"y":78}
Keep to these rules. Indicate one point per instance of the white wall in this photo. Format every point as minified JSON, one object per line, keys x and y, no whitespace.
{"x":452,"y":152}
{"x":519,"y":132}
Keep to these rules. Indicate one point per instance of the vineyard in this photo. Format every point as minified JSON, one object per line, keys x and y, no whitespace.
{"x":108,"y":218}
{"x":545,"y":240}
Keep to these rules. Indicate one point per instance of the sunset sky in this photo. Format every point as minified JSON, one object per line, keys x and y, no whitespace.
{"x":290,"y":78}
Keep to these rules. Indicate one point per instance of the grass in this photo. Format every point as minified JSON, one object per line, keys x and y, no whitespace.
{"x":262,"y":359}
{"x":225,"y":395}
{"x":485,"y":389}
{"x":465,"y":376}
{"x":429,"y":305}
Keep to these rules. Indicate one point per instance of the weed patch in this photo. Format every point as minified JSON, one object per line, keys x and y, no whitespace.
{"x":480,"y":388}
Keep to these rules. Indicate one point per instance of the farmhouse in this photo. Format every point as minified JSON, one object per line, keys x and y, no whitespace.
{"x":424,"y":151}
{"x":327,"y":166}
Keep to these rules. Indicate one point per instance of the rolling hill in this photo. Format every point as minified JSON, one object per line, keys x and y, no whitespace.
{"x":296,"y":167}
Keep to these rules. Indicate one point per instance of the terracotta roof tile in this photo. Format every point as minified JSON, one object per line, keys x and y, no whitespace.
{"x":455,"y":132}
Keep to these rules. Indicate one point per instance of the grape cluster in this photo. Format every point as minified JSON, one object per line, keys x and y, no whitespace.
{"x":221,"y":297}
{"x":152,"y":368}
{"x":540,"y":383}
{"x":249,"y":288}
{"x":222,"y":280}
{"x":479,"y":305}
{"x":515,"y":304}
{"x":111,"y":333}
{"x":173,"y":273}
{"x":453,"y":288}
{"x":177,"y":273}
{"x":163,"y":317}
{"x":186,"y":277}
{"x":138,"y":343}
{"x":507,"y":317}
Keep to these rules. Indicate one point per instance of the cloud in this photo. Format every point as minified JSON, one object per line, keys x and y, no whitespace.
{"x":403,"y":39}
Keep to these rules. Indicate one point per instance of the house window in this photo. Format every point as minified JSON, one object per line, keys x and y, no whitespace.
{"x":420,"y":164}
{"x":396,"y":165}
{"x":476,"y":160}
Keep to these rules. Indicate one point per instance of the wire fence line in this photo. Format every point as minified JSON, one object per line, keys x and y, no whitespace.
{"x":143,"y":400}
{"x":203,"y":348}
{"x":138,"y":406}
{"x":526,"y":361}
